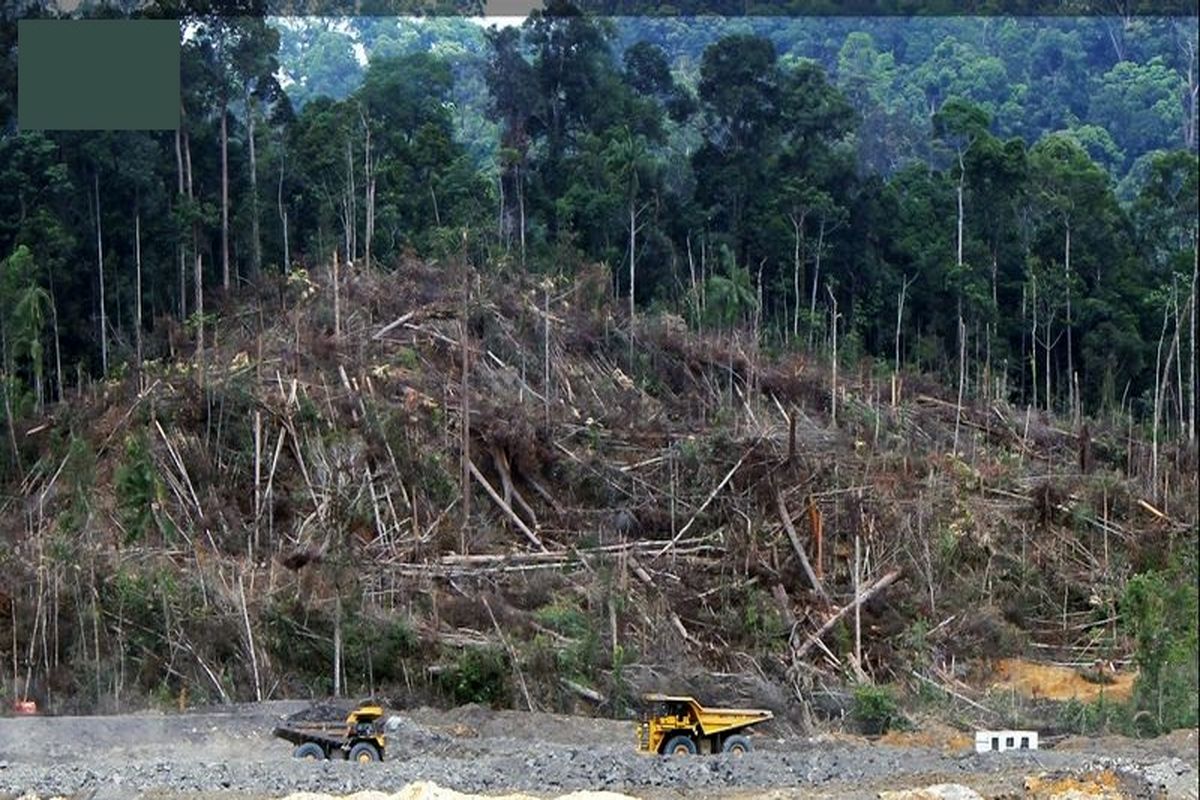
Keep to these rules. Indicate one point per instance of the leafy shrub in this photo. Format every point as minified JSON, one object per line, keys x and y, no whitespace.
{"x":480,"y":675}
{"x":762,"y":621}
{"x":1160,"y":610}
{"x":1096,"y":718}
{"x":377,"y":648}
{"x":565,"y":617}
{"x":580,"y":657}
{"x":875,"y":709}
{"x":137,"y":487}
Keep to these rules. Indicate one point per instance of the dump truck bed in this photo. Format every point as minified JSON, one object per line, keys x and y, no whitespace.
{"x":715,"y":720}
{"x":328,"y":735}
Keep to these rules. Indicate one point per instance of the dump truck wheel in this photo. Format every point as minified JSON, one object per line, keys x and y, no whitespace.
{"x":310,"y":751}
{"x":736,"y":745}
{"x":364,"y":753}
{"x":681,"y":745}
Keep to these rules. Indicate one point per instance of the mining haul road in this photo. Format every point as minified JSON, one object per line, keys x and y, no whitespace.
{"x":230,"y":753}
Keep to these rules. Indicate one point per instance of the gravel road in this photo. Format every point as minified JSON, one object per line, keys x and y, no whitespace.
{"x":231,"y":753}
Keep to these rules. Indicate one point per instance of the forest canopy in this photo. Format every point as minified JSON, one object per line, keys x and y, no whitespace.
{"x":1009,"y":202}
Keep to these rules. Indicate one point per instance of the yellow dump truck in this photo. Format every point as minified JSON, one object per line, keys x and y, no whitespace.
{"x":359,"y":739}
{"x":678,"y":725}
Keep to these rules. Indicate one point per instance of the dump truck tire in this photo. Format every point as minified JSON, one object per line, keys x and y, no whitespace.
{"x":681,"y":745}
{"x":310,"y":751}
{"x":364,"y":752}
{"x":736,"y":745}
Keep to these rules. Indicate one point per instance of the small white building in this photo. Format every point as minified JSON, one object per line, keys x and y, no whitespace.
{"x":1000,"y":741}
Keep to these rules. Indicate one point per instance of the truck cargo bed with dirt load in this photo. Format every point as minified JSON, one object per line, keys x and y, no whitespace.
{"x":360,"y":738}
{"x":678,"y":725}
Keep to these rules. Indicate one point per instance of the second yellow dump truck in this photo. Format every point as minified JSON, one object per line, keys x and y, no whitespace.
{"x":679,"y":725}
{"x":360,"y":738}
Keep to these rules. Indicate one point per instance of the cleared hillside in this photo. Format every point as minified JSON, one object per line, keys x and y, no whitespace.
{"x":680,"y":511}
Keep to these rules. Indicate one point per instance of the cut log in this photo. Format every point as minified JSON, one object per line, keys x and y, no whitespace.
{"x":391,"y":326}
{"x":505,"y":507}
{"x":707,"y":500}
{"x":791,"y":532}
{"x":866,"y":594}
{"x":583,"y":691}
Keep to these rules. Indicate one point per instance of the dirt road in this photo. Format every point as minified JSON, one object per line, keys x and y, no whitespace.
{"x":230,"y":753}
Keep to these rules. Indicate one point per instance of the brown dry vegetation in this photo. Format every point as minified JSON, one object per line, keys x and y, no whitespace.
{"x":224,"y":530}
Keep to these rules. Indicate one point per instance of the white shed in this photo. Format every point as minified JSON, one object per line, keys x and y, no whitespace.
{"x":1000,"y":741}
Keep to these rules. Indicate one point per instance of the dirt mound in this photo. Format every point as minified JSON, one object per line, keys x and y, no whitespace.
{"x":1050,"y":682}
{"x":931,"y":735}
{"x":1102,"y":785}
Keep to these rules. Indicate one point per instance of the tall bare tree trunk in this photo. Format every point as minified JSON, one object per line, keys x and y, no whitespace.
{"x":500,"y":237}
{"x":283,"y":220}
{"x":1048,"y":344}
{"x":1192,"y":342}
{"x":797,"y":266}
{"x":812,"y":306}
{"x":962,"y":378}
{"x":256,"y":242}
{"x":224,"y":197}
{"x":1071,"y":398}
{"x":352,"y":204}
{"x":692,"y":274}
{"x":632,"y":273}
{"x":1033,"y":341}
{"x":57,"y":350}
{"x":337,"y":298}
{"x":100,"y":273}
{"x":179,"y":246}
{"x":137,"y":260}
{"x":958,"y":261}
{"x":958,"y":191}
{"x":833,"y":382}
{"x":465,"y":424}
{"x":198,"y":304}
{"x":521,"y":206}
{"x":369,"y":178}
{"x":990,"y":331}
{"x":904,"y":283}
{"x":337,"y":644}
{"x":1161,"y":381}
{"x":198,"y":266}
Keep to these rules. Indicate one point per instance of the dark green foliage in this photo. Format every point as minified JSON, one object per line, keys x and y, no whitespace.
{"x":375,"y":649}
{"x":1099,"y":718}
{"x":137,"y":489}
{"x":787,"y":157}
{"x":478,"y":675}
{"x":1159,"y":609}
{"x":876,"y":710}
{"x":581,"y":655}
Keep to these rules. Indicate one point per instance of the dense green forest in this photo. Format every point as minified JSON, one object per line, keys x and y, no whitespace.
{"x":1010,"y":203}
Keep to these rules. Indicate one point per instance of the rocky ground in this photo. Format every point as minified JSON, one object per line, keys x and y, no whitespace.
{"x":231,"y":753}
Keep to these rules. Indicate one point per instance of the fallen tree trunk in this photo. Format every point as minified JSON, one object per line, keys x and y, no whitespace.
{"x":791,"y":532}
{"x":505,"y":507}
{"x":865,"y":595}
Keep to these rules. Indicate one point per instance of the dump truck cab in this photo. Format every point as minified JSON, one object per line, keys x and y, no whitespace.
{"x":680,"y":725}
{"x":363,"y":728}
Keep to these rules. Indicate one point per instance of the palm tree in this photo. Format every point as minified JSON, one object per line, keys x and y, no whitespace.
{"x":731,"y":296}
